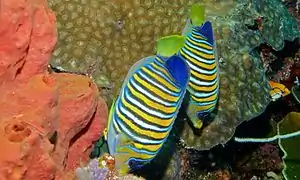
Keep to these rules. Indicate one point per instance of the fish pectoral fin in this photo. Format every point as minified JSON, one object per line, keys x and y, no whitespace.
{"x":192,"y":112}
{"x":124,"y":140}
{"x":197,"y":123}
{"x":121,"y":163}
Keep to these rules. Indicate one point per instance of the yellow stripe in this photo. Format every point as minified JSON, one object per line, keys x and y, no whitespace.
{"x":160,"y":79}
{"x":152,"y":104}
{"x":198,"y":63}
{"x":205,"y":108}
{"x":166,"y":73}
{"x":201,"y":54}
{"x":133,"y":154}
{"x":208,"y":99}
{"x":161,"y":70}
{"x":149,"y":118}
{"x":155,"y":90}
{"x":159,"y":59}
{"x":203,"y":88}
{"x":139,"y":131}
{"x":198,"y":37}
{"x":204,"y":76}
{"x":205,"y":46}
{"x":148,"y":147}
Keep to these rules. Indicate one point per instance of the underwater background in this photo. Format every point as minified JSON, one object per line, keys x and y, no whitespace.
{"x":65,"y":66}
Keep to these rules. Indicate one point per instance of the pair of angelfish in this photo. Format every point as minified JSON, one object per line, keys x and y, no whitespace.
{"x":143,"y":115}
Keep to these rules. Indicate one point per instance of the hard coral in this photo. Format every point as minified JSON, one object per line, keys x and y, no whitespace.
{"x":41,"y":111}
{"x":105,"y":38}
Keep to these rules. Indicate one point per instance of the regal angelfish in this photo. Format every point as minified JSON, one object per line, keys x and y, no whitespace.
{"x":142,"y":116}
{"x":199,"y":52}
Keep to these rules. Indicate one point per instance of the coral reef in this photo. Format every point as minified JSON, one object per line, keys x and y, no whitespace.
{"x":121,"y":32}
{"x":244,"y":89}
{"x":49,"y":121}
{"x":105,"y":38}
{"x":265,"y":158}
{"x":293,"y":7}
{"x":107,"y":172}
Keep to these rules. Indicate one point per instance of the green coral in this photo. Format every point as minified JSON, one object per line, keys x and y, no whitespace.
{"x":277,"y":23}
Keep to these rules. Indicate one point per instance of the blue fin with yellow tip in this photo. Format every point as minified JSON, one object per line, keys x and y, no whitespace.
{"x":207,"y":31}
{"x":179,"y":69}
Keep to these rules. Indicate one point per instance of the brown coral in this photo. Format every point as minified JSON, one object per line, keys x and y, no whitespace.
{"x":105,"y":38}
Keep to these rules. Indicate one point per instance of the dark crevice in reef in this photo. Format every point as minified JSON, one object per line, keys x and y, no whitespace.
{"x":53,"y":138}
{"x":276,"y":59}
{"x":255,"y":26}
{"x":52,"y":68}
{"x":19,"y":70}
{"x":289,"y":50}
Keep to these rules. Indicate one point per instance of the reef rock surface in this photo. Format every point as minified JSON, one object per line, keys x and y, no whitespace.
{"x":48,"y":121}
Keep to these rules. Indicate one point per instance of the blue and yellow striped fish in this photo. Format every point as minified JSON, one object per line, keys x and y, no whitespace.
{"x":142,"y":116}
{"x":199,"y":52}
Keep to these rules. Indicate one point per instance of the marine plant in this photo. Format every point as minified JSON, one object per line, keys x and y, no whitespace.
{"x":288,"y":136}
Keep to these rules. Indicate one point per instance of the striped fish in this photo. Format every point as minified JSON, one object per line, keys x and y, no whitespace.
{"x":142,"y":116}
{"x":199,"y":52}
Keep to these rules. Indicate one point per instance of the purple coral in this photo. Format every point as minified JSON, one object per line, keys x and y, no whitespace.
{"x":91,"y":172}
{"x":97,"y":173}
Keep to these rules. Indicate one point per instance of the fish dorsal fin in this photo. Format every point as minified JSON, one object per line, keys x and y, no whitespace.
{"x":179,"y":70}
{"x":207,"y":31}
{"x":197,"y":14}
{"x":170,"y":45}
